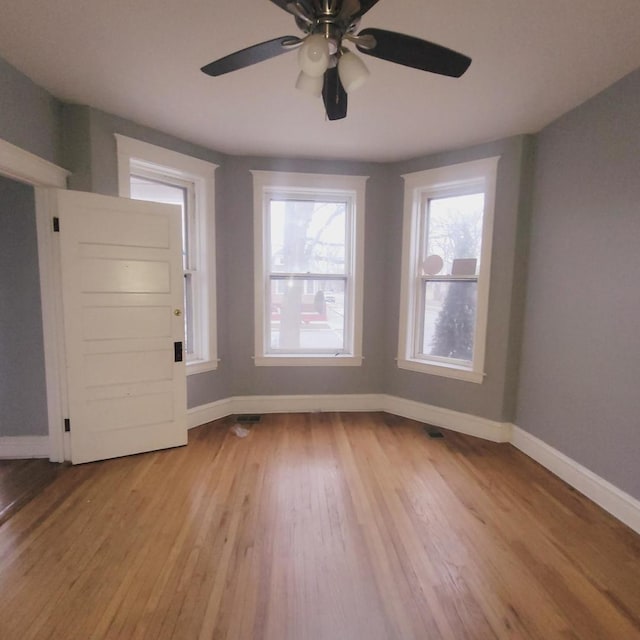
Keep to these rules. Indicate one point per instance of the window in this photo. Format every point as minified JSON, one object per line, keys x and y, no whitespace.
{"x":309,"y":244}
{"x":448,"y":224}
{"x":147,"y":172}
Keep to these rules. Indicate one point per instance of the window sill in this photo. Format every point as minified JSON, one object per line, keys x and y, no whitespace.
{"x":201,"y":366}
{"x":443,"y":370}
{"x":308,"y":361}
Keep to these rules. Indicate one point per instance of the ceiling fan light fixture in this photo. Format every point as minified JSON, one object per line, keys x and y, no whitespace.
{"x":313,"y":55}
{"x":352,"y":71}
{"x":310,"y":84}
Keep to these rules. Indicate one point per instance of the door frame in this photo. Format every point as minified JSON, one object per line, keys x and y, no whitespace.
{"x":42,"y":175}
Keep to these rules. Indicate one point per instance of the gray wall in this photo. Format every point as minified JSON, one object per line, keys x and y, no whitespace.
{"x":581,"y":352}
{"x":235,"y":226}
{"x":23,"y":404}
{"x":494,"y":398}
{"x":236,"y":374}
{"x":87,"y":147}
{"x":30,"y":117}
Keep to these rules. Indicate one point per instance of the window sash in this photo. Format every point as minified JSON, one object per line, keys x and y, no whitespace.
{"x":468,"y":178}
{"x":189,"y":222}
{"x":346,"y":277}
{"x":418,"y":351}
{"x":311,"y":187}
{"x":318,"y":198}
{"x":271,"y":304}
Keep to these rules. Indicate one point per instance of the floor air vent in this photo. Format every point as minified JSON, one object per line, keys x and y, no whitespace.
{"x":249,"y":417}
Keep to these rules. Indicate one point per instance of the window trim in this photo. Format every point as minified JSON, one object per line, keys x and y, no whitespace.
{"x":419,"y":187}
{"x":135,"y":155}
{"x":266,"y":182}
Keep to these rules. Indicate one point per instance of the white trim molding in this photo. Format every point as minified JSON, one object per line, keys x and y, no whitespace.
{"x":437,"y":416}
{"x":477,"y":176}
{"x":448,"y":419}
{"x":613,"y":500}
{"x":18,"y":164}
{"x":286,"y":185}
{"x":205,"y":413}
{"x":281,"y":404}
{"x":17,"y":447}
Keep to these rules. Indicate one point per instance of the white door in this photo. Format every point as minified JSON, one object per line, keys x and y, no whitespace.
{"x":122,"y":299}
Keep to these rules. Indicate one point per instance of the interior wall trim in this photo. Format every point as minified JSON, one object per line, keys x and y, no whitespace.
{"x":17,"y":447}
{"x":204,"y":413}
{"x":437,"y":416}
{"x":448,"y":419}
{"x":612,"y":499}
{"x":21,"y":165}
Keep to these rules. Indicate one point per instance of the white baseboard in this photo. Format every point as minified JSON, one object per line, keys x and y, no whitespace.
{"x":306,"y":403}
{"x":437,"y":416}
{"x":448,"y":419}
{"x":280,"y":404}
{"x":618,"y":503}
{"x":15,"y":447}
{"x":205,"y":413}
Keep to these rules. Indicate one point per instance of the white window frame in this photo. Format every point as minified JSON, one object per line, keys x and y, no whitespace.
{"x":269,"y":183}
{"x":147,"y":160}
{"x":458,"y":179}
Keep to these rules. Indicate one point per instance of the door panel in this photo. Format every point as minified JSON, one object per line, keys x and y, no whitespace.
{"x":122,"y":286}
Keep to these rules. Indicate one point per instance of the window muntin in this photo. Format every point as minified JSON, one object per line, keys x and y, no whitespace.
{"x":309,"y":245}
{"x":446,"y":263}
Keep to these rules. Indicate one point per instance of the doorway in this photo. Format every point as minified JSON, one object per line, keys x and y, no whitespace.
{"x":23,"y":396}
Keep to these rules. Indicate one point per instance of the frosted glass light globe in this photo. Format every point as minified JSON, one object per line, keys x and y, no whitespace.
{"x":352,"y":71}
{"x":310,"y":84}
{"x":313,"y":55}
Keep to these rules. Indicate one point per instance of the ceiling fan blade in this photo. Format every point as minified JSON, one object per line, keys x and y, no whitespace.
{"x":282,"y":4}
{"x":251,"y":55}
{"x":414,"y":52}
{"x":365,"y":5}
{"x":334,"y":95}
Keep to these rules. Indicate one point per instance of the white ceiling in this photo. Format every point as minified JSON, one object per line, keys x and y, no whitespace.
{"x":532,"y":61}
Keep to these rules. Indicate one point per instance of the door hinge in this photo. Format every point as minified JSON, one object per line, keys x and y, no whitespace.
{"x":67,"y":425}
{"x":177,"y":351}
{"x":56,"y":225}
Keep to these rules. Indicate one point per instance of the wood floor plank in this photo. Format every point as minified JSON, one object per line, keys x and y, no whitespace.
{"x":21,"y":480}
{"x":317,"y":526}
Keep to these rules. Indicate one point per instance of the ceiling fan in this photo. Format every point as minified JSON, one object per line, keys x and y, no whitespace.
{"x":327,"y":67}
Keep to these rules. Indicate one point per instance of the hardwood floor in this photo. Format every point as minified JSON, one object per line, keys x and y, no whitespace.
{"x":22,"y":480}
{"x":318,"y":527}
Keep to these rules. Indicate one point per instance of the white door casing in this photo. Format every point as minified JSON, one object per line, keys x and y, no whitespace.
{"x":122,"y":299}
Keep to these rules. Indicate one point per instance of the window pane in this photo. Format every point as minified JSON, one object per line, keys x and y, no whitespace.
{"x":145,"y":189}
{"x":307,"y":315}
{"x":307,"y":236}
{"x":454,"y":232}
{"x":449,"y":319}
